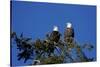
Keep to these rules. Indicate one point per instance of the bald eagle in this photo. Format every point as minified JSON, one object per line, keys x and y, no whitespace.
{"x":69,"y":33}
{"x":55,"y":35}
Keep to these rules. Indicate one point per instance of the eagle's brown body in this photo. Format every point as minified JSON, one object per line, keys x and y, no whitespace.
{"x":69,"y":35}
{"x":55,"y":36}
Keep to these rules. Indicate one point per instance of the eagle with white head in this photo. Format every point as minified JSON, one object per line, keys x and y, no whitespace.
{"x":55,"y":35}
{"x":69,"y":33}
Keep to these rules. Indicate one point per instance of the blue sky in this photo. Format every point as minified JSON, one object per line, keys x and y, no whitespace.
{"x":35,"y":19}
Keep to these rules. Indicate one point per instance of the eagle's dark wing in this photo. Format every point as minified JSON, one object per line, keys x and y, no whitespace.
{"x":69,"y":33}
{"x":73,"y":34}
{"x":55,"y":36}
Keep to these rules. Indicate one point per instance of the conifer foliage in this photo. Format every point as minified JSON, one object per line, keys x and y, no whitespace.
{"x":47,"y":51}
